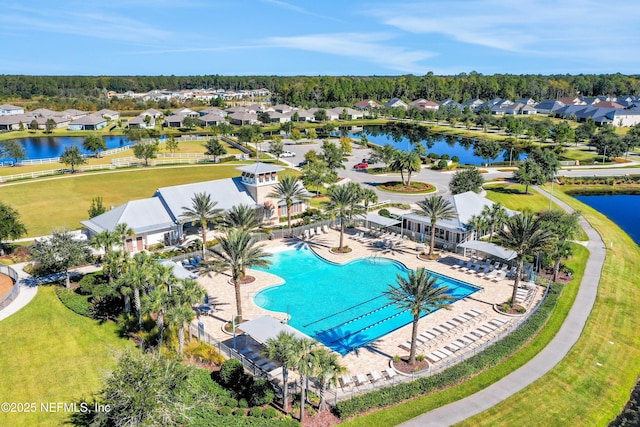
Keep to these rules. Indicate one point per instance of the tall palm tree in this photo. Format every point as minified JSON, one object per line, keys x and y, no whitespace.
{"x":343,"y":204}
{"x":137,"y":278}
{"x":327,"y":369}
{"x":436,"y":208}
{"x":526,"y":235}
{"x":477,"y":223}
{"x":288,"y":190}
{"x":202,"y":210}
{"x":418,"y":294}
{"x":157,"y":302}
{"x":189,"y":292}
{"x":181,"y":315}
{"x":281,"y":349}
{"x":240,"y":216}
{"x":237,"y":251}
{"x":368,"y":197}
{"x":562,"y":249}
{"x":302,"y":363}
{"x":495,"y":216}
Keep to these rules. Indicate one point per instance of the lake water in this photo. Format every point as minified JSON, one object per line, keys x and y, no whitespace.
{"x":45,"y":147}
{"x":620,"y":208}
{"x":404,"y":138}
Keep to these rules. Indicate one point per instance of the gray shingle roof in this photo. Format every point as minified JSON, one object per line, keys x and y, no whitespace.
{"x":257,"y":168}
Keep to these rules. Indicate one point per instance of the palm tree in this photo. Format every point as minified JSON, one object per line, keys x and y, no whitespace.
{"x":302,"y":363}
{"x":288,"y":191}
{"x":342,"y":203}
{"x":189,"y":292}
{"x":436,"y":208}
{"x":181,"y":315}
{"x":281,"y":349}
{"x":526,"y":235}
{"x":241,"y":216}
{"x":202,"y":210}
{"x":477,"y":223}
{"x":403,"y":160}
{"x":419,"y":294}
{"x":237,"y":251}
{"x":104,"y":240}
{"x":122,"y":231}
{"x":327,"y":370}
{"x":495,"y":216}
{"x":368,"y":197}
{"x":562,"y":249}
{"x":157,"y":302}
{"x":137,"y":278}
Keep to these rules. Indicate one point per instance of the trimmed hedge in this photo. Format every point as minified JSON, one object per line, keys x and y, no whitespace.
{"x":75,"y":302}
{"x":209,"y":417}
{"x":490,"y":357}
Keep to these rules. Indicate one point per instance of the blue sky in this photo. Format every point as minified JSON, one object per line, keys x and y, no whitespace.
{"x":328,"y":37}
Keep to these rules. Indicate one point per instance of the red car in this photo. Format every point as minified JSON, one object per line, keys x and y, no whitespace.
{"x":361,"y":166}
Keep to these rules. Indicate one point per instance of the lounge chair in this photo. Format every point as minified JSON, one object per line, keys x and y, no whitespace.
{"x":491,"y":275}
{"x":468,"y":265}
{"x":432,"y":357}
{"x":500,"y":275}
{"x":375,"y":376}
{"x":361,"y":379}
{"x":318,"y":230}
{"x":390,"y":373}
{"x":459,"y":264}
{"x":305,"y":235}
{"x":311,"y":233}
{"x":346,"y":380}
{"x":325,"y":229}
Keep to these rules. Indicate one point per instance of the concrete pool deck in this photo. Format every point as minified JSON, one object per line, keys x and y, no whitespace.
{"x":377,"y":355}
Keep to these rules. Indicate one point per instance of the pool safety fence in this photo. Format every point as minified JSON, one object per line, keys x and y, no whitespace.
{"x":8,"y":297}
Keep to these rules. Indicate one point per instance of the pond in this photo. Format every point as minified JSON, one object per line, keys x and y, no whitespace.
{"x":46,"y":147}
{"x":403,"y":137}
{"x":620,"y":208}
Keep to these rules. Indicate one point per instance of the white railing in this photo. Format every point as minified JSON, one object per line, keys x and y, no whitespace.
{"x":115,"y":150}
{"x":95,"y":168}
{"x":184,"y":155}
{"x":31,"y":175}
{"x":28,"y":162}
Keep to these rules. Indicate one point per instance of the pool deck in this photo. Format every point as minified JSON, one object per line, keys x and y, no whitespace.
{"x":378,"y":354}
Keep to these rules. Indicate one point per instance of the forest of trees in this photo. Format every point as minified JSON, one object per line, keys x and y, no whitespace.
{"x":331,"y":90}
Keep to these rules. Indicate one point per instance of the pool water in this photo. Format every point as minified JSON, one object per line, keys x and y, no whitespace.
{"x":342,"y":306}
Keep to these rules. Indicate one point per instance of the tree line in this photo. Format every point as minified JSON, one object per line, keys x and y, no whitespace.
{"x":326,"y":90}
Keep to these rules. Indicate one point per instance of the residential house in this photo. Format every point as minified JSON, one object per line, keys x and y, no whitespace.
{"x":243,"y":118}
{"x":89,"y":122}
{"x":108,"y":114}
{"x":567,"y":100}
{"x":624,"y":117}
{"x":396,"y":103}
{"x":278,"y":117}
{"x":449,"y":103}
{"x":211,"y":119}
{"x":213,"y":110}
{"x":74,"y":114}
{"x":59,"y":121}
{"x":345,"y":113}
{"x":305,"y":115}
{"x":186,"y":112}
{"x":282,"y":108}
{"x":44,"y":112}
{"x":175,"y":120}
{"x":474,"y":104}
{"x":548,"y":106}
{"x":153,"y":113}
{"x":10,"y":110}
{"x":139,"y":122}
{"x":423,"y":104}
{"x":367,"y":104}
{"x":14,"y":121}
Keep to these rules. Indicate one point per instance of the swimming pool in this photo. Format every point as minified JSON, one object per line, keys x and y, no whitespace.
{"x":341,"y":306}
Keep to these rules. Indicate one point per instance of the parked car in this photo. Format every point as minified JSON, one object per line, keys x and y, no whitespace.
{"x":287,"y":154}
{"x":303,"y":163}
{"x":361,"y":166}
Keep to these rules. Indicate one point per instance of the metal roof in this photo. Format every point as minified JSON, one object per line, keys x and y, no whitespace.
{"x":140,"y":215}
{"x":489,"y":248}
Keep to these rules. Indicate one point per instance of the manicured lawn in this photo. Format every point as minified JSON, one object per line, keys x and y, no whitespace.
{"x":63,"y":202}
{"x":50,"y":354}
{"x":512,"y":196}
{"x":591,"y":385}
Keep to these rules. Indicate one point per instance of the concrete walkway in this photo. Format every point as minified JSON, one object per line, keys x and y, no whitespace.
{"x":28,"y":290}
{"x":546,"y":360}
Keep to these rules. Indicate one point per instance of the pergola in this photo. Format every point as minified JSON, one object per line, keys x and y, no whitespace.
{"x":266,"y":327}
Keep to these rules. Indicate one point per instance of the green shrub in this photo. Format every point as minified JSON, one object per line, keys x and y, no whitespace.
{"x":445,"y":157}
{"x":256,"y":412}
{"x":242,"y":403}
{"x":385,"y":213}
{"x":230,"y":371}
{"x":75,"y":302}
{"x":420,"y":357}
{"x":270,"y":413}
{"x":156,"y":246}
{"x":490,"y":357}
{"x":262,"y":393}
{"x":225,"y":411}
{"x":239,"y":412}
{"x":231,"y":402}
{"x":455,"y":159}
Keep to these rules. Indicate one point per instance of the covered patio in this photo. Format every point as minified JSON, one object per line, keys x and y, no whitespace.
{"x":489,"y":249}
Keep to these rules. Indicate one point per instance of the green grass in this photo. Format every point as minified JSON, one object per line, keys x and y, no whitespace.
{"x":50,"y":354}
{"x":591,"y":385}
{"x":403,"y":412}
{"x":63,"y":202}
{"x":512,"y":196}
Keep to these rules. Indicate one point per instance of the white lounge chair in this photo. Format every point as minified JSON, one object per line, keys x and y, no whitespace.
{"x":361,"y":379}
{"x":375,"y":376}
{"x":346,"y":380}
{"x":325,"y":229}
{"x":318,"y":230}
{"x":390,"y":373}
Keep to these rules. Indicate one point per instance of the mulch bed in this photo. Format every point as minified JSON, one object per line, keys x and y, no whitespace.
{"x":245,"y":280}
{"x":415,"y":187}
{"x":322,"y":419}
{"x":6,"y":283}
{"x":404,"y":367}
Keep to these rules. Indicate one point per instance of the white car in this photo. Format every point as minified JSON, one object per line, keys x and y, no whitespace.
{"x":287,"y":154}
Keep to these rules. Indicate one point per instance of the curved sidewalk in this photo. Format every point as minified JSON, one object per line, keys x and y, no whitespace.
{"x":28,"y":290}
{"x":546,"y":360}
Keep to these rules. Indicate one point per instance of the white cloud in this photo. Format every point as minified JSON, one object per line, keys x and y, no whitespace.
{"x":298,"y":9}
{"x":368,"y":47}
{"x":577,"y":27}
